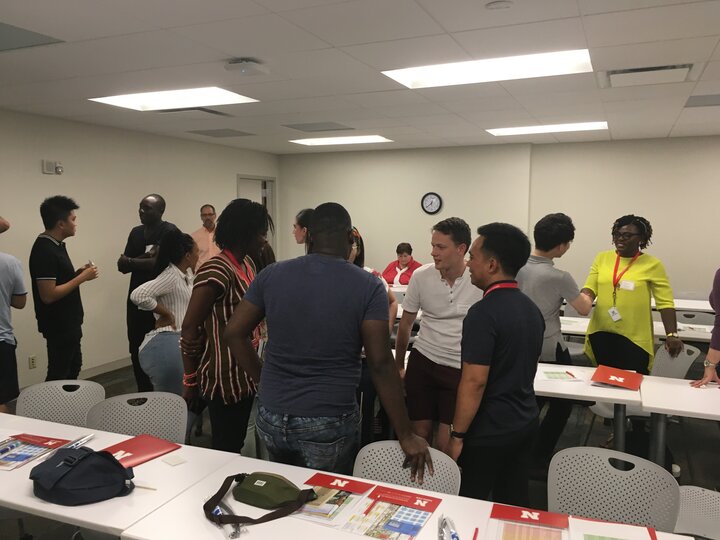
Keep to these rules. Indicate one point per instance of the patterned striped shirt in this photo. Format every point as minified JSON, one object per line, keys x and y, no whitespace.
{"x":219,"y":374}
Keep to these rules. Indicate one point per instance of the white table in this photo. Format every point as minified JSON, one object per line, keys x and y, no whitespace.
{"x":699,"y":333}
{"x":586,"y":391}
{"x":689,"y":305}
{"x":662,"y":396}
{"x":115,"y":515}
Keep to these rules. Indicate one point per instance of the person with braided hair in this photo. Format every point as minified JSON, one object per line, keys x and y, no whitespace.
{"x":622,"y":282}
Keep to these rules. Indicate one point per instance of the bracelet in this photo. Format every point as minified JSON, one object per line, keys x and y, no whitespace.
{"x":189,"y":377}
{"x":187,"y":384}
{"x":673,"y":334}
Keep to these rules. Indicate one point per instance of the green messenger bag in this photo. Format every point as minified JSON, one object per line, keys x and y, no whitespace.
{"x":263,"y":490}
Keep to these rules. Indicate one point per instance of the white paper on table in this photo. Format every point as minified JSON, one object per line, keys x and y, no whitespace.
{"x":495,"y":530}
{"x":580,"y":528}
{"x":563,"y":375}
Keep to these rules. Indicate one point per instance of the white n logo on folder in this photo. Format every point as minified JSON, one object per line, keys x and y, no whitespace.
{"x":616,"y":378}
{"x":339,"y":483}
{"x":526,"y":514}
{"x":420,"y":502}
{"x":121,"y":454}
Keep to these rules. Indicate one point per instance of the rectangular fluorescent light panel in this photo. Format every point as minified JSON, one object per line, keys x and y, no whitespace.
{"x":508,"y":68}
{"x":323,"y":141}
{"x":175,"y":99}
{"x":550,"y":128}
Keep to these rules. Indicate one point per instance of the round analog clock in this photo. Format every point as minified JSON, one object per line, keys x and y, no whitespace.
{"x":431,"y":203}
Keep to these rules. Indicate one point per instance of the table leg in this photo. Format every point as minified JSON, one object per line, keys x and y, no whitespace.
{"x":619,"y":428}
{"x":657,"y":446}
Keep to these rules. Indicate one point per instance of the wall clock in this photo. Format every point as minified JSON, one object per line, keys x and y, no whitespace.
{"x":431,"y":203}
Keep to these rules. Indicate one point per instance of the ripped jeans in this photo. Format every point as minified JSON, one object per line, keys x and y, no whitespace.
{"x":326,"y":443}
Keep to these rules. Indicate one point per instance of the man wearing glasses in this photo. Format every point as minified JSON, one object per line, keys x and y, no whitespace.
{"x":204,"y":236}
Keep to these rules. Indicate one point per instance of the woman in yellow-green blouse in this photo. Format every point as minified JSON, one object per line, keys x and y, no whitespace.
{"x":622,"y":281}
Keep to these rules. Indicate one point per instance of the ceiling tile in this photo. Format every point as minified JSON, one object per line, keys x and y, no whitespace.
{"x":654,"y":24}
{"x":192,"y":12}
{"x":365,"y":21}
{"x":470,"y":14}
{"x":653,"y":91}
{"x":288,"y":5}
{"x":591,"y":7}
{"x":500,"y":119}
{"x":706,"y":88}
{"x":549,"y":36}
{"x":584,"y":82}
{"x":402,"y":53}
{"x":494,"y":103}
{"x":712,"y":72}
{"x":459,"y":92}
{"x":657,"y":53}
{"x":583,"y":136}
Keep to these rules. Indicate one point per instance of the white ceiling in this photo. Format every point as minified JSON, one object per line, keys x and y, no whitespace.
{"x":325,"y":58}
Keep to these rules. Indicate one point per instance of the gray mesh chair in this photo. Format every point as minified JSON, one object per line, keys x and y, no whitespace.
{"x":695,"y":317}
{"x":584,"y":482}
{"x":160,"y":414}
{"x":66,"y":402}
{"x":699,"y":512}
{"x":383,"y":461}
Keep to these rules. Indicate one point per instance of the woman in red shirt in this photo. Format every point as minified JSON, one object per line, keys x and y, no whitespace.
{"x":399,"y":272}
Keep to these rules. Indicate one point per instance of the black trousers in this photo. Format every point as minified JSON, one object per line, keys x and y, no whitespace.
{"x":64,"y":356}
{"x":618,"y":351}
{"x":499,"y":473}
{"x":229,"y":423}
{"x":139,"y":323}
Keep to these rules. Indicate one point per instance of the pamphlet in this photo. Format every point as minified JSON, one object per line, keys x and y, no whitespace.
{"x":559,"y":375}
{"x":620,"y":378}
{"x":336,"y":498}
{"x":590,"y":529}
{"x":17,"y":450}
{"x":139,"y":449}
{"x":515,"y":523}
{"x":391,"y":514}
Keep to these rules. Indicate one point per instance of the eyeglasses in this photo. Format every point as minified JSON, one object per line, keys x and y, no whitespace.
{"x":625,"y":235}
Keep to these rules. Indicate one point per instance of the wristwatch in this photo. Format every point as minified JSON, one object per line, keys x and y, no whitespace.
{"x":673,"y":334}
{"x":707,"y":363}
{"x":457,"y":434}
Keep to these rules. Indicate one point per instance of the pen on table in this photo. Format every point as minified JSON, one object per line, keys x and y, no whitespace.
{"x":571,"y":375}
{"x":10,"y":446}
{"x":475,"y":534}
{"x":451,"y":527}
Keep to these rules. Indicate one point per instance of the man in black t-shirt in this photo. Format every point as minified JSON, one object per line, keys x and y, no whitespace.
{"x":496,"y":414}
{"x":56,"y":288}
{"x":139,"y":260}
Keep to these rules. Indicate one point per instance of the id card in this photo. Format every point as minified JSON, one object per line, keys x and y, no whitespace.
{"x":614,"y":314}
{"x":627,"y":285}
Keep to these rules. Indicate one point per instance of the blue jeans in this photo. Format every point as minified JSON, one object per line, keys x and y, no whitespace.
{"x":161,"y":360}
{"x":327,"y":443}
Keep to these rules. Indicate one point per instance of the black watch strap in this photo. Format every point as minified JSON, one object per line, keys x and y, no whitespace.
{"x":457,"y":434}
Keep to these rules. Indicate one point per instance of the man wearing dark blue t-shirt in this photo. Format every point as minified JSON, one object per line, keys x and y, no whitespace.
{"x":496,"y":415}
{"x":320,"y":311}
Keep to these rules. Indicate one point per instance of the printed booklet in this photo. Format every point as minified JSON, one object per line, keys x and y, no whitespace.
{"x":17,"y":450}
{"x":336,"y":496}
{"x":515,"y":523}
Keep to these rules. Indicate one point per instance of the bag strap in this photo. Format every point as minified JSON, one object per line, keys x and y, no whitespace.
{"x":304,"y":496}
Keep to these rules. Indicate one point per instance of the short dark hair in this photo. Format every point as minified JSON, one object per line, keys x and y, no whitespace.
{"x":360,"y":256}
{"x":506,"y":243}
{"x":207,"y":206}
{"x":403,"y":247}
{"x":173,"y":247}
{"x":642,"y":224}
{"x":303,"y":217}
{"x":553,"y":230}
{"x":160,"y":199}
{"x":329,"y":219}
{"x":57,"y":208}
{"x":457,"y":229}
{"x":240,"y":223}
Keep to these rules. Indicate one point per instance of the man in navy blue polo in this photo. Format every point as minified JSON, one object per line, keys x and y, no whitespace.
{"x":496,"y":414}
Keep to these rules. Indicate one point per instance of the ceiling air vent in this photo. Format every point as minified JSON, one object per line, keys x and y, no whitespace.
{"x":12,"y":37}
{"x":220,"y":133}
{"x":619,"y":78}
{"x":712,"y":100}
{"x":313,"y":127}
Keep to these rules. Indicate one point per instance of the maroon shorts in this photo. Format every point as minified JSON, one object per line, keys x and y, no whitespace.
{"x":431,"y":389}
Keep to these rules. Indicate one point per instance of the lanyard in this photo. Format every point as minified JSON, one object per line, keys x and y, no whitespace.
{"x":505,"y":285}
{"x":239,"y":270}
{"x":616,"y":278}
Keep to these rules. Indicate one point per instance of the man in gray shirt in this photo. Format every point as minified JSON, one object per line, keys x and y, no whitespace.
{"x":548,"y":287}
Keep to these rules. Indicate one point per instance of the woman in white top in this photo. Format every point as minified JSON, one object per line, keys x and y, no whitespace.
{"x":167,"y":296}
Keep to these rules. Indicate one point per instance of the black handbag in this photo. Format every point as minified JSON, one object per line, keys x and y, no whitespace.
{"x":76,"y":476}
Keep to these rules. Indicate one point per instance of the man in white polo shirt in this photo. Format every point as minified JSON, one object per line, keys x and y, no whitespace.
{"x":444,"y":293}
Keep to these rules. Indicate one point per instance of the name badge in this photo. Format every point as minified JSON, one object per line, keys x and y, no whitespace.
{"x":627,"y":285}
{"x":614,"y":314}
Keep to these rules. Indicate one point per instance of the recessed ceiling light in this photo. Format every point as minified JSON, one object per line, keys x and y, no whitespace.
{"x":507,"y":68}
{"x":175,"y":99}
{"x":360,"y":139}
{"x":550,"y":128}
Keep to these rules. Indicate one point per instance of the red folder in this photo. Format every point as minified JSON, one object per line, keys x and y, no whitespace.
{"x":617,"y":377}
{"x":140,"y":449}
{"x":527,"y":515}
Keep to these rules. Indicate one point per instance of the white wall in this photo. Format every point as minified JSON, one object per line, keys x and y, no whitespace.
{"x":382,"y":192}
{"x":107,"y":171}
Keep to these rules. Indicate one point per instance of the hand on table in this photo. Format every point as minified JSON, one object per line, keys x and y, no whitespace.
{"x":709,"y":376}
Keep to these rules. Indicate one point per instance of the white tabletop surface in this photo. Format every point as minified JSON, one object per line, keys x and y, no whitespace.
{"x":677,"y":397}
{"x":164,"y":523}
{"x":115,"y":515}
{"x":688,"y":332}
{"x":689,"y":305}
{"x":582,"y":389}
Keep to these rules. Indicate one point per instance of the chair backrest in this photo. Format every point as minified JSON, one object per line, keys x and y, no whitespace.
{"x":665,"y":365}
{"x":66,"y":402}
{"x":383,"y":461}
{"x":699,"y":512}
{"x":160,"y":414}
{"x":695,"y":317}
{"x":584,"y":482}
